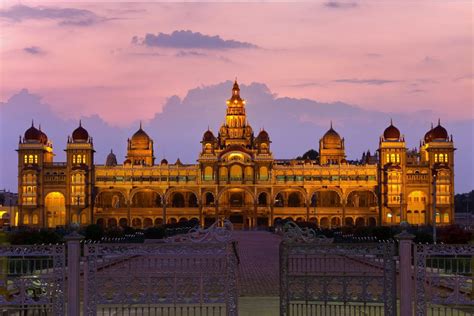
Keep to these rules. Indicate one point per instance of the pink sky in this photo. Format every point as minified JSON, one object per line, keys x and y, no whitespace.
{"x":419,"y":53}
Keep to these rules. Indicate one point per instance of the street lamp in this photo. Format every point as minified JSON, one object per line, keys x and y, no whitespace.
{"x":435,"y":176}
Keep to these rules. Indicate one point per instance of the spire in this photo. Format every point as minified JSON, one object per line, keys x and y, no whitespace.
{"x":391,"y":121}
{"x":80,"y":123}
{"x":439,"y":121}
{"x":32,"y":123}
{"x":39,"y":127}
{"x":331,"y":124}
{"x":235,"y":88}
{"x":140,"y":124}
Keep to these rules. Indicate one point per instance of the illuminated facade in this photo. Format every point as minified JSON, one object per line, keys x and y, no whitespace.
{"x":238,"y":178}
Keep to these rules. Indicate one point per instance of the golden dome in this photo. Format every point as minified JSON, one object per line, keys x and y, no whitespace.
{"x":140,"y":140}
{"x":332,"y":140}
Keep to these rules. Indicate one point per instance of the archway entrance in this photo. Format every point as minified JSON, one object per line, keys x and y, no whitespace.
{"x":55,"y":206}
{"x":235,"y":205}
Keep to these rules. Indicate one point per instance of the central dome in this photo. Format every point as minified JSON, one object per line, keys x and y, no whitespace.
{"x":332,"y":140}
{"x":80,"y":134}
{"x":391,"y":133}
{"x":140,"y":140}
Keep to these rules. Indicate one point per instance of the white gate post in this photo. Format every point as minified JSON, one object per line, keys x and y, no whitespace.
{"x":405,"y":269}
{"x":73,"y":273}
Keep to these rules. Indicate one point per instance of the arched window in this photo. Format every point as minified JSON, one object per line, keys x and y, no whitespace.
{"x":209,"y":199}
{"x":262,"y":199}
{"x":235,"y":172}
{"x":25,"y":159}
{"x":236,"y":199}
{"x":177,"y":200}
{"x":208,"y":173}
{"x":263,"y":173}
{"x":279,"y":200}
{"x":248,"y":173}
{"x":294,"y":199}
{"x":30,"y":159}
{"x":79,"y":159}
{"x":223,"y":173}
{"x":192,"y":201}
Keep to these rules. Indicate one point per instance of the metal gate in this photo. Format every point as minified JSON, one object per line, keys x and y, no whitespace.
{"x":193,"y":275}
{"x":444,"y":277}
{"x":32,"y":280}
{"x":318,"y":277}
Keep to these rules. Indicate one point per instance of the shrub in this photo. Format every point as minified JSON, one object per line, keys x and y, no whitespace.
{"x":155,"y":233}
{"x":93,"y":232}
{"x":32,"y":237}
{"x":454,"y":234}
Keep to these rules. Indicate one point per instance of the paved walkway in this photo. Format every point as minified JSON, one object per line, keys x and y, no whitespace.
{"x":259,"y":263}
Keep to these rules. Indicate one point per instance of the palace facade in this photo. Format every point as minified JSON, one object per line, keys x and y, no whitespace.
{"x":236,"y":177}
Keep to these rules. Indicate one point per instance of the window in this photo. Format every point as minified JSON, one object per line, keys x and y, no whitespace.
{"x":30,"y":159}
{"x":25,"y":159}
{"x":73,"y":158}
{"x":79,"y":159}
{"x":83,"y":158}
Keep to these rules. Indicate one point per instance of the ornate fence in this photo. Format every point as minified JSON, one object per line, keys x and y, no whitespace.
{"x":195,"y":274}
{"x":32,"y":280}
{"x":318,"y":277}
{"x":444,"y":278}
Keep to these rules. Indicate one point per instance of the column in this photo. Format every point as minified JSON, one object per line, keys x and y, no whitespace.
{"x":405,"y":270}
{"x":73,"y":273}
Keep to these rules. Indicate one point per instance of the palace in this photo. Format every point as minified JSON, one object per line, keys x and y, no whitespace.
{"x":236,"y":177}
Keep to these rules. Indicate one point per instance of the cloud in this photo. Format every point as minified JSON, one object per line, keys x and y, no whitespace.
{"x":294,"y":125}
{"x":64,"y":16}
{"x":374,"y":55}
{"x":468,"y":77}
{"x":190,"y":53}
{"x":305,"y":84}
{"x":189,"y":39}
{"x":33,"y":50}
{"x":375,"y":82}
{"x":340,"y":5}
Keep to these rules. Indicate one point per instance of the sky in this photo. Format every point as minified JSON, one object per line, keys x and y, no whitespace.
{"x":117,"y":63}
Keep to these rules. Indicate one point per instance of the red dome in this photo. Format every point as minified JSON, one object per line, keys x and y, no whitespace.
{"x":80,"y":134}
{"x":391,"y":133}
{"x":164,"y":161}
{"x":208,"y":136}
{"x":429,"y":135}
{"x":263,"y":136}
{"x":439,"y":133}
{"x":33,"y":134}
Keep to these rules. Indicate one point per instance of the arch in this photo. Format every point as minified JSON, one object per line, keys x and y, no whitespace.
{"x":361,"y":198}
{"x":146,"y":198}
{"x":248,"y":173}
{"x":123,"y":222}
{"x":158,"y":221}
{"x":172,"y":220}
{"x":349,"y":221}
{"x":313,"y":220}
{"x":194,"y":221}
{"x":326,"y":198}
{"x":417,"y":201}
{"x":208,"y":199}
{"x":324,"y":222}
{"x":238,"y":189}
{"x":335,"y":221}
{"x":223,"y":173}
{"x":236,"y":199}
{"x":279,"y":201}
{"x":110,"y":199}
{"x":372,"y":221}
{"x":101,"y":222}
{"x":26,"y":219}
{"x":55,"y":206}
{"x":136,"y":222}
{"x":147,"y":222}
{"x":83,"y":218}
{"x":35,"y":219}
{"x":111,"y":222}
{"x":192,"y":200}
{"x":289,"y":218}
{"x":263,"y":199}
{"x":177,"y":200}
{"x":360,"y":221}
{"x":446,"y":217}
{"x":300,"y":219}
{"x":294,"y":199}
{"x":182,"y":220}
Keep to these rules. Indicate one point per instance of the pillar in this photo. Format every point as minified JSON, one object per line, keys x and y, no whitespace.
{"x":406,"y":281}
{"x":73,"y":273}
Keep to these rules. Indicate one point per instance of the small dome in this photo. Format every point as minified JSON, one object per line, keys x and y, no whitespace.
{"x":208,"y":136}
{"x":32,"y":134}
{"x":164,"y":161}
{"x":140,"y":140}
{"x":439,"y":133}
{"x":429,"y":135}
{"x":391,"y":133}
{"x":263,"y":136}
{"x":111,"y":159}
{"x":332,"y":140}
{"x":178,"y":162}
{"x":127,"y":162}
{"x":80,"y":134}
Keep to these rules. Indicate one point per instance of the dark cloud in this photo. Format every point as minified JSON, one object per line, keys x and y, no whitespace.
{"x":340,"y":5}
{"x":177,"y":130}
{"x":375,"y":82}
{"x":33,"y":50}
{"x":190,"y":53}
{"x":189,"y":39}
{"x":305,"y":84}
{"x":64,"y":16}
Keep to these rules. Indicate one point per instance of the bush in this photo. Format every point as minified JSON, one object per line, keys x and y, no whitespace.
{"x":454,"y":234}
{"x":32,"y":237}
{"x":93,"y":232}
{"x":155,"y":233}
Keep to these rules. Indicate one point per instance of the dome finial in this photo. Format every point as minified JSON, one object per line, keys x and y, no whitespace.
{"x":391,"y":121}
{"x":439,"y":121}
{"x":140,"y":124}
{"x":32,"y":123}
{"x":80,"y":123}
{"x":331,"y":124}
{"x":39,"y":127}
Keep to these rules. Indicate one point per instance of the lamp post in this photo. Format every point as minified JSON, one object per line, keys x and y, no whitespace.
{"x":401,"y":208}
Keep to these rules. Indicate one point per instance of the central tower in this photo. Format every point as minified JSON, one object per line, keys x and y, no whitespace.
{"x":236,"y":130}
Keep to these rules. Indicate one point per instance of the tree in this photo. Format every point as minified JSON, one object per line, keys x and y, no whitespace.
{"x":464,"y":202}
{"x":311,"y":154}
